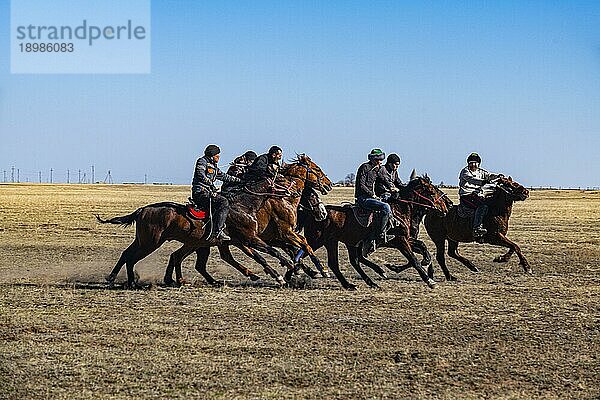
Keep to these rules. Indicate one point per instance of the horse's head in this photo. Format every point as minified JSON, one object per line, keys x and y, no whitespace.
{"x":305,"y":169}
{"x":421,"y":191}
{"x":514,"y":190}
{"x":311,"y":201}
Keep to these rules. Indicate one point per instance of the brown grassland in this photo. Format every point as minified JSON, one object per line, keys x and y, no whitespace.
{"x":496,"y":334}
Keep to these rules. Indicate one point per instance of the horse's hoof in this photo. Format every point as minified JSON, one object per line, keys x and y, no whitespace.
{"x":451,"y":278}
{"x":170,"y":283}
{"x":431,"y":283}
{"x":280,"y":280}
{"x":528,"y":270}
{"x":312,"y":274}
{"x":325,"y":274}
{"x":500,"y":259}
{"x":350,"y":286}
{"x":383,"y":275}
{"x":110,"y":278}
{"x":182,"y":282}
{"x":373,"y":285}
{"x":253,"y":277}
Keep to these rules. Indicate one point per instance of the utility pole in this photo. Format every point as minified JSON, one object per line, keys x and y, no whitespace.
{"x":79,"y":172}
{"x":4,"y":176}
{"x":40,"y":176}
{"x":12,"y":174}
{"x":68,"y":177}
{"x":18,"y":175}
{"x":145,"y":179}
{"x":51,"y":175}
{"x":92,"y":175}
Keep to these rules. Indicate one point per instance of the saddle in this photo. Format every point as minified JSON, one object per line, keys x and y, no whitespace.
{"x":363,"y":216}
{"x":195,"y":212}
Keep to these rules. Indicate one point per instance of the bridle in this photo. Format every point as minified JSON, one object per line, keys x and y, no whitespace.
{"x":308,"y":172}
{"x":430,"y":204}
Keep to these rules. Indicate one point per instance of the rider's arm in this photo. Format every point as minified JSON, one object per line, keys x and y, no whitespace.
{"x":227,"y":178}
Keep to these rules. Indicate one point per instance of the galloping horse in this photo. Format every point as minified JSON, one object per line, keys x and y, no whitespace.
{"x":454,"y":229}
{"x":275,"y":224}
{"x":341,"y":226}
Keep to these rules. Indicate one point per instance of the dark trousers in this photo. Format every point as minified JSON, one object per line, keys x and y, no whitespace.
{"x":217,"y":204}
{"x":478,"y":204}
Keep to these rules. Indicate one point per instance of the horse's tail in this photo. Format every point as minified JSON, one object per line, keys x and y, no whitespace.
{"x":124,"y":220}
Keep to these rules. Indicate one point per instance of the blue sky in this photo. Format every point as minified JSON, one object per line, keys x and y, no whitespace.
{"x":518,"y":82}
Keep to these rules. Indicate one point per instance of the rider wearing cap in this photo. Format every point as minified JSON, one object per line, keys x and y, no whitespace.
{"x":204,"y":192}
{"x":387,"y":181}
{"x":364,"y":192}
{"x":266,"y":165}
{"x":471,"y":182}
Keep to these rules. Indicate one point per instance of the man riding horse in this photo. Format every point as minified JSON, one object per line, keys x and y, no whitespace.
{"x":388,"y":182}
{"x":265,"y":166}
{"x":472,"y":178}
{"x":205,"y":194}
{"x":364,"y":192}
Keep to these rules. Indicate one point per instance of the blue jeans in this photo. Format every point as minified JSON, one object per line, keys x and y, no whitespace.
{"x":374,"y":205}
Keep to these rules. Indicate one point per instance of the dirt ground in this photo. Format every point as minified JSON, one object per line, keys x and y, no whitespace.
{"x":496,"y":334}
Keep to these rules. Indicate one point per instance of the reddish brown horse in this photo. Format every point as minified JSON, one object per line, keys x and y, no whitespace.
{"x":342,"y":226}
{"x":275,"y":224}
{"x":454,"y":229}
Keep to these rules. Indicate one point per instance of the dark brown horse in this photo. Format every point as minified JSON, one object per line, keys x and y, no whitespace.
{"x":454,"y":229}
{"x":161,"y":222}
{"x":275,"y":224}
{"x":342,"y":226}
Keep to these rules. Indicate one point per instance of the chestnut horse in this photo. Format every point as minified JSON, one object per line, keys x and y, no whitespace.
{"x":454,"y":229}
{"x":342,"y":226}
{"x":275,"y":224}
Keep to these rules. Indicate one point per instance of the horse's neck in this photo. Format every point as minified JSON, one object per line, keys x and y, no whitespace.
{"x":297,"y":186}
{"x":503,"y":205}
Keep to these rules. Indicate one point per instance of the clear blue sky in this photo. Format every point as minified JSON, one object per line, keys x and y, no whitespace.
{"x":516,"y":81}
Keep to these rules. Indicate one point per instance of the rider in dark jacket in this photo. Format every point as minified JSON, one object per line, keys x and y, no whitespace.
{"x":387,"y":181}
{"x":364,"y":192}
{"x":240,"y":165}
{"x":265,"y":166}
{"x":204,"y":192}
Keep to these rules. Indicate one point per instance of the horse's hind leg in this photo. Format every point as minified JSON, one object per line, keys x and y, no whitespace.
{"x":354,"y":260}
{"x":453,"y":252}
{"x":226,"y":256}
{"x":128,"y":252}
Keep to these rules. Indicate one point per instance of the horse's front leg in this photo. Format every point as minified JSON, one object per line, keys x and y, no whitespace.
{"x":406,"y":250}
{"x":505,"y":257}
{"x":501,"y":240}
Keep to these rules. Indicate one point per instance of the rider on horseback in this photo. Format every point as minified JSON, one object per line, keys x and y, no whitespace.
{"x":471,"y":182}
{"x":387,"y":181}
{"x":266,"y":165}
{"x":364,"y":192}
{"x":240,"y":164}
{"x":204,"y":192}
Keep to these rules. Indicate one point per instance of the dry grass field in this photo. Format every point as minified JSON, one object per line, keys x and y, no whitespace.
{"x":496,"y":334}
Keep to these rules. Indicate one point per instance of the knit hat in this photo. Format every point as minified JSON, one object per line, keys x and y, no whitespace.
{"x":212,"y":150}
{"x":377,"y":154}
